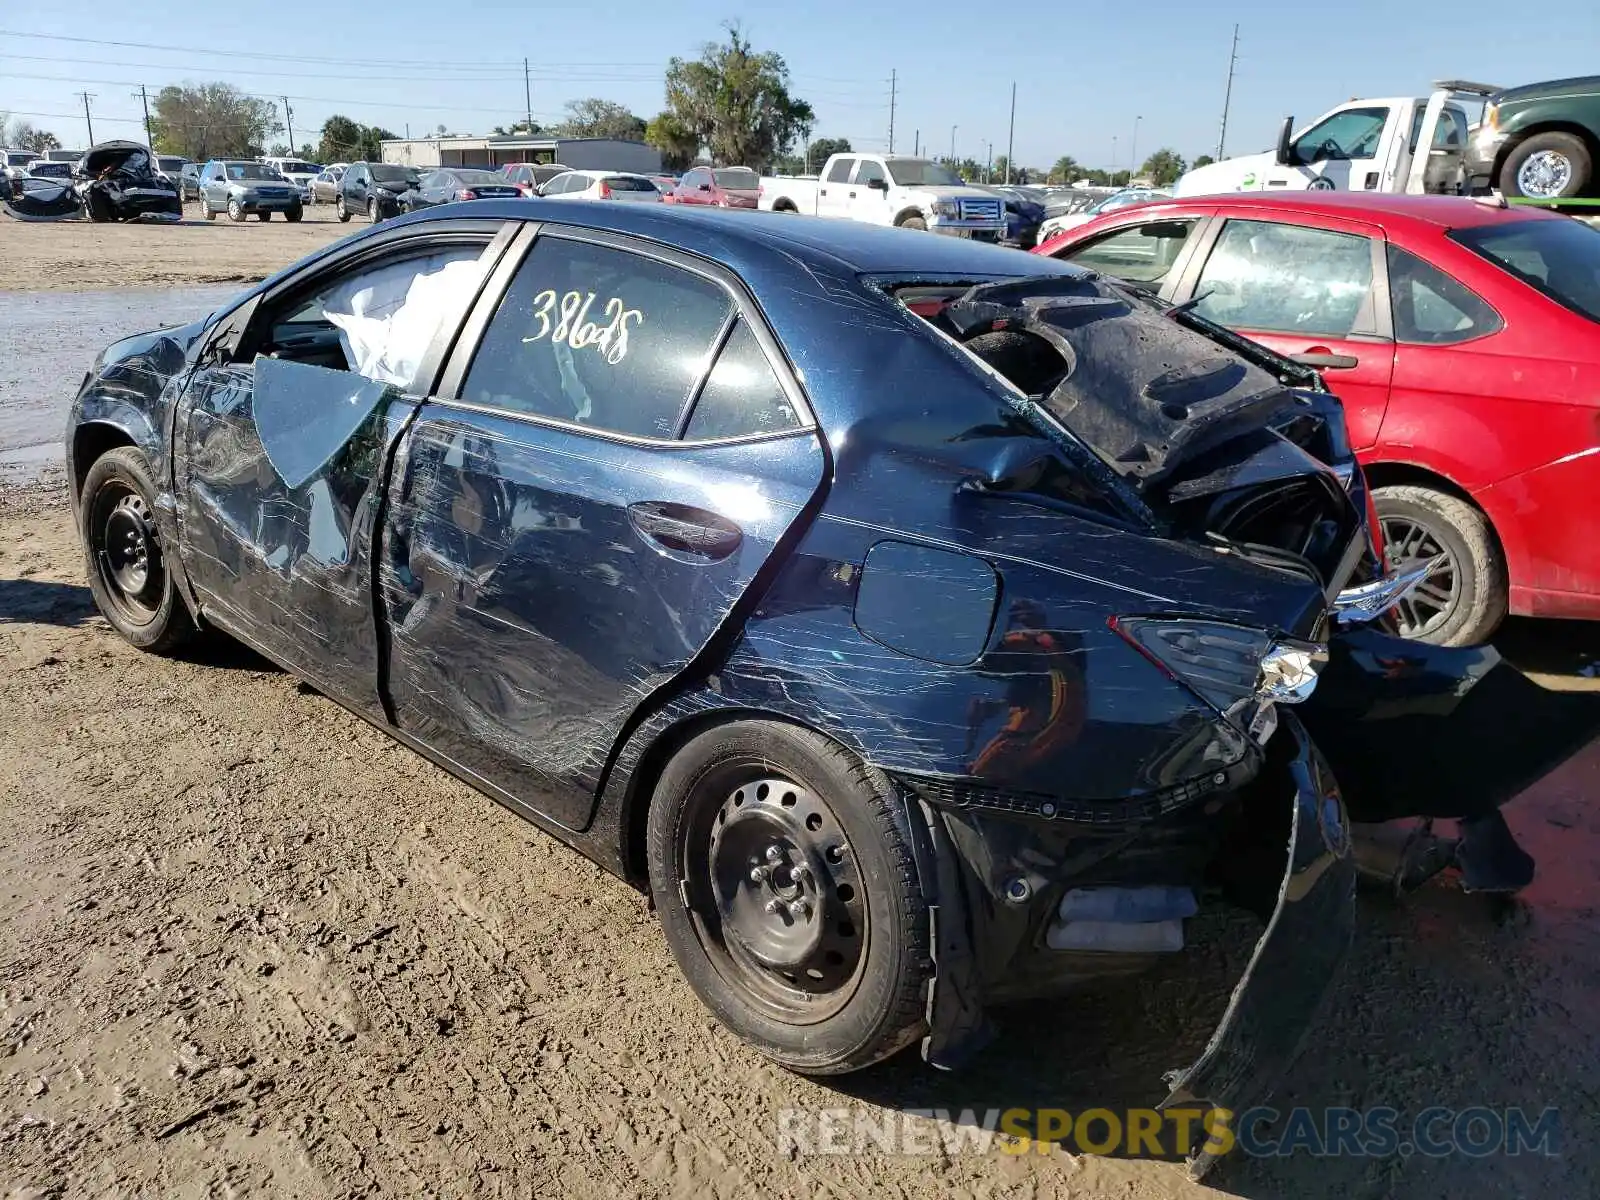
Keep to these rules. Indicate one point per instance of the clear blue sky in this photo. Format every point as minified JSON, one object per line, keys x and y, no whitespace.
{"x":1083,"y":72}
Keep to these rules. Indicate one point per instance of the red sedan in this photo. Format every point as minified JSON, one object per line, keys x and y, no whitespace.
{"x":1464,"y":340}
{"x":725,"y":187}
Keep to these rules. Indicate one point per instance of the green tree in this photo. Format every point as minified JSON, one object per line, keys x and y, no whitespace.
{"x":522,"y":128}
{"x":1163,"y":167}
{"x":597,"y":118}
{"x":1205,"y":160}
{"x":737,"y":102}
{"x":1066,"y":170}
{"x":344,"y":140}
{"x":824,"y":148}
{"x":211,"y":120}
{"x":677,"y":142}
{"x":25,"y":135}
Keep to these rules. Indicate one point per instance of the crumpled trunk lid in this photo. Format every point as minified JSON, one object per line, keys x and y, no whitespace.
{"x":1202,"y":425}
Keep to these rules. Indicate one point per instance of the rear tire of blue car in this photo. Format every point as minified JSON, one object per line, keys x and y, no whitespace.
{"x":782,"y":871}
{"x":126,"y":564}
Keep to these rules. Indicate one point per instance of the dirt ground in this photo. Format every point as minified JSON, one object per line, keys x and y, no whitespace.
{"x":250,"y":946}
{"x":76,"y":256}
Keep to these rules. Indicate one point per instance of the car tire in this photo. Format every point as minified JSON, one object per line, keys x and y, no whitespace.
{"x":236,"y":211}
{"x":294,"y":214}
{"x":372,"y":211}
{"x":263,"y":216}
{"x":832,"y":986}
{"x":1555,"y":148}
{"x":205,"y":210}
{"x":339,"y":210}
{"x":914,"y":223}
{"x":96,"y":206}
{"x":1464,"y":602}
{"x":122,"y":547}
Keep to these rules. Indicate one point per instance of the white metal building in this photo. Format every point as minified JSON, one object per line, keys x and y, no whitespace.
{"x":590,"y":154}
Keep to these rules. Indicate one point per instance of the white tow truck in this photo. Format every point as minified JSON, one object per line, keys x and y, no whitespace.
{"x":1404,"y":144}
{"x":912,"y":193}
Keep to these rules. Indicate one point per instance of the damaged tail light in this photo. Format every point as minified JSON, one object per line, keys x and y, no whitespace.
{"x":1226,"y":664}
{"x":603,"y":191}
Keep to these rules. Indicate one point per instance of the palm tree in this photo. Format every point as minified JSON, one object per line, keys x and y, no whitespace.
{"x":1065,"y":170}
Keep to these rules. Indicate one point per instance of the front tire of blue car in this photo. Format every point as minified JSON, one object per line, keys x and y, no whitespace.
{"x":782,"y":872}
{"x":126,"y":561}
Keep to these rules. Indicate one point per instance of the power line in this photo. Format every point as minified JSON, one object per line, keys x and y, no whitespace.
{"x":87,"y":119}
{"x":308,"y":58}
{"x":448,"y":105}
{"x":1227,"y":94}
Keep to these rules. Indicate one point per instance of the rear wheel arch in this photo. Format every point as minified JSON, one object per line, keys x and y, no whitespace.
{"x":1405,"y":474}
{"x":639,"y":790}
{"x":1464,"y":529}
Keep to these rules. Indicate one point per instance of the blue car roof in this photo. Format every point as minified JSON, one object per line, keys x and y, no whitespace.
{"x":859,"y":247}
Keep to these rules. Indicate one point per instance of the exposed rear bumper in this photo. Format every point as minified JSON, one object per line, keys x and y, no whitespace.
{"x":1282,"y":851}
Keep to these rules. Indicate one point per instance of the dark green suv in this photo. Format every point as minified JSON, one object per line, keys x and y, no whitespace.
{"x":1540,"y":141}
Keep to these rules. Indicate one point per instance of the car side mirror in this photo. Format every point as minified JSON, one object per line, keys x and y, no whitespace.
{"x":1285,"y":156}
{"x":878,"y":185}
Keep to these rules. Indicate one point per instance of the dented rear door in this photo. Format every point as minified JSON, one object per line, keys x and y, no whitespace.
{"x":582,"y":521}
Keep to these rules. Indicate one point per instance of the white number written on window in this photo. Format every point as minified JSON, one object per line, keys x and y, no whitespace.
{"x":566,"y":319}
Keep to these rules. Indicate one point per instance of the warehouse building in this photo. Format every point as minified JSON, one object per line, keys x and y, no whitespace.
{"x":584,"y":154}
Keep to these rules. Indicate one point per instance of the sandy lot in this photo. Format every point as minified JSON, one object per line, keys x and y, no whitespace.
{"x":249,"y":946}
{"x":75,"y":256}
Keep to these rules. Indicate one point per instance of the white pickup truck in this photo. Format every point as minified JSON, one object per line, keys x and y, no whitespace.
{"x":912,"y":193}
{"x":1396,"y":144}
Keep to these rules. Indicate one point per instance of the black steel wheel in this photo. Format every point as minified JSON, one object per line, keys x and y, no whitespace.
{"x":788,"y":892}
{"x":127,"y":567}
{"x":782,"y":873}
{"x":1463,"y":599}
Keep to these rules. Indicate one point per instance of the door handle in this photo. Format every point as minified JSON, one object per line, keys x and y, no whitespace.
{"x":852,"y":195}
{"x":1321,"y":356}
{"x":684,"y":531}
{"x":822,"y":191}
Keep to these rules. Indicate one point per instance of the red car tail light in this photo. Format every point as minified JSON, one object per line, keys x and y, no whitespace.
{"x":466,"y":194}
{"x":604,"y":192}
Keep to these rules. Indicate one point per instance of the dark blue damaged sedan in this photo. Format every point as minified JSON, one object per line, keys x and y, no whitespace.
{"x":924,"y":624}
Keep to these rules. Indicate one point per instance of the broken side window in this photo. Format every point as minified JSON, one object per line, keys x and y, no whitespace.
{"x":327,"y":362}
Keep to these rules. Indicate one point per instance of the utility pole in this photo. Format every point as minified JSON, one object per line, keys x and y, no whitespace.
{"x":916,"y":144}
{"x":1011,"y":134}
{"x":1227,"y":94}
{"x":893,"y":81}
{"x":149,"y":138}
{"x":1133,"y":150}
{"x":87,"y":119}
{"x":288,"y":118}
{"x":988,"y":165}
{"x":1113,"y":156}
{"x":953,"y":129}
{"x":527,"y":94}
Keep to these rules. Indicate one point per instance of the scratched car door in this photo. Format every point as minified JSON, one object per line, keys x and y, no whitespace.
{"x":281,"y":438}
{"x":623,"y":453}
